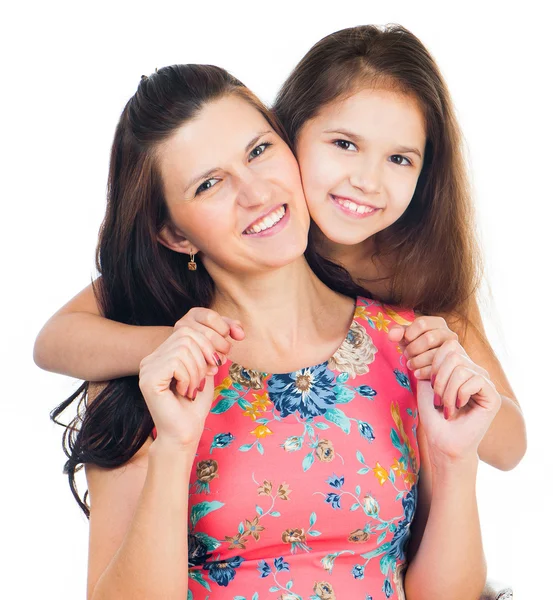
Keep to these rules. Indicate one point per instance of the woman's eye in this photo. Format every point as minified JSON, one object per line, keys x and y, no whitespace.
{"x":206,"y":185}
{"x":258,"y":150}
{"x":345,"y":145}
{"x":398,"y":159}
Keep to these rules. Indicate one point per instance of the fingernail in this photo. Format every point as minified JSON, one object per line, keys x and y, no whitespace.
{"x":437,"y":400}
{"x":446,"y":413}
{"x":409,"y":364}
{"x":417,"y":373}
{"x":202,"y":385}
{"x":458,"y":402}
{"x":217,"y":359}
{"x":194,"y":394}
{"x":432,"y":380}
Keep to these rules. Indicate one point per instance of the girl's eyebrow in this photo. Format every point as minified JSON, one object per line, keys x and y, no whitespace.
{"x":345,"y":132}
{"x":209,"y":173}
{"x":406,"y":150}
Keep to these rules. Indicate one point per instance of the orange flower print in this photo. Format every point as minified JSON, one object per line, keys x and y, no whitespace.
{"x":261,"y":431}
{"x":380,"y":473}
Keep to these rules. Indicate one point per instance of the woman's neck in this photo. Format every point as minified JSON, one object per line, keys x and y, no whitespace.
{"x":282,"y":311}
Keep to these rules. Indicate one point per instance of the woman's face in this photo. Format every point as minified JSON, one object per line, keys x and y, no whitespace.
{"x":360,"y":159}
{"x":233,"y":191}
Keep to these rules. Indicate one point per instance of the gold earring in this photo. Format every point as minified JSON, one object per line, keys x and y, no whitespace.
{"x":192,"y":266}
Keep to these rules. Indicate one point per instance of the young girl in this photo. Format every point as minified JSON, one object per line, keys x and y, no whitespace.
{"x":379,"y":149}
{"x":288,"y":474}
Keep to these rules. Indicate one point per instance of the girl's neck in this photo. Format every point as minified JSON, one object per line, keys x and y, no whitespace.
{"x":358,"y":259}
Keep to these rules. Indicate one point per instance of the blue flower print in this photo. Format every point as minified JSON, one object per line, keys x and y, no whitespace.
{"x":335,"y":481}
{"x":366,"y":431}
{"x":358,"y":571}
{"x":366,"y":391}
{"x":308,"y":391}
{"x":222,"y":572}
{"x":281,"y":564}
{"x":197,"y":551}
{"x":402,"y":379}
{"x":333,"y":499}
{"x":387,"y":588}
{"x":221,"y":440}
{"x":401,"y":534}
{"x":264,"y":568}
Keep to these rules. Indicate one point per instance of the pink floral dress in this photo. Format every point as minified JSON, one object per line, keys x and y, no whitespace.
{"x":304,"y":485}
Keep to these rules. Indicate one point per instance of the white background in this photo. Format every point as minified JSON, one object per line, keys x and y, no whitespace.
{"x":67,"y":70}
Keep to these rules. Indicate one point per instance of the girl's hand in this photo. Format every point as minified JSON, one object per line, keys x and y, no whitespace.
{"x":213,"y":335}
{"x":466,"y":399}
{"x":421,"y":340}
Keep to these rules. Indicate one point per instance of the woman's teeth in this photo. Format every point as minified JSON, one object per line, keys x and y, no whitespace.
{"x":358,"y":208}
{"x":269,"y":221}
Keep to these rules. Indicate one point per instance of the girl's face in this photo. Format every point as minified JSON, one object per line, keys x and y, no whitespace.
{"x":233,"y":191}
{"x":360,"y":159}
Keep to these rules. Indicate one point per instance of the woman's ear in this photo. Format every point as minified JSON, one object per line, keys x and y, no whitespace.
{"x":174,"y":240}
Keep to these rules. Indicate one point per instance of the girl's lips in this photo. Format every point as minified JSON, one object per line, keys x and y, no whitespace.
{"x":275,"y":228}
{"x":349,"y":207}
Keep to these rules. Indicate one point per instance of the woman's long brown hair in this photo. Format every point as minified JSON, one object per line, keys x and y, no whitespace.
{"x":144,"y":283}
{"x":432,"y":253}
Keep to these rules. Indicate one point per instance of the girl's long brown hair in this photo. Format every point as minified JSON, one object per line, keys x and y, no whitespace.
{"x":435,"y":264}
{"x":144,"y":283}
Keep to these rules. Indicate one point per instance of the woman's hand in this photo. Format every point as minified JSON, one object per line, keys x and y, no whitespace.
{"x":176,"y":367}
{"x":213,"y":335}
{"x":459,"y":406}
{"x":421,"y":341}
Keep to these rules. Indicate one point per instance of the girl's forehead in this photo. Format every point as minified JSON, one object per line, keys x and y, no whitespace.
{"x":373,"y":110}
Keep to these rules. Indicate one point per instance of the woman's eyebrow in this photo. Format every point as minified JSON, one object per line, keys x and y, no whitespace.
{"x":255,"y":139}
{"x":209,"y":173}
{"x":205,"y":175}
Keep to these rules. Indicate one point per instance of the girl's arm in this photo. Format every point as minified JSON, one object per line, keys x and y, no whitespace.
{"x":504,"y":444}
{"x":78,"y":341}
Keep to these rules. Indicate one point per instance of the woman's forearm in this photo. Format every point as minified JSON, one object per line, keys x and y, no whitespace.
{"x":152,"y":561}
{"x":449,"y":563}
{"x":90,"y":347}
{"x":504,"y":444}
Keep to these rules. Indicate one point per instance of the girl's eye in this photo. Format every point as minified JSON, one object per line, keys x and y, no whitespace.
{"x":398,"y":159}
{"x":258,"y":150}
{"x":345,"y":145}
{"x":206,"y":185}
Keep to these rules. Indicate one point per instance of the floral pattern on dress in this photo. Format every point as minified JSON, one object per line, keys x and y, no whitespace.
{"x":335,"y":445}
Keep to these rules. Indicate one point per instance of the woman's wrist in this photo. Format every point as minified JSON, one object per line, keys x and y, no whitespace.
{"x":162,"y":450}
{"x":444,"y":465}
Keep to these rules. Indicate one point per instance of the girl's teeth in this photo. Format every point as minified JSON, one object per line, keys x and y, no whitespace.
{"x":357,"y":208}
